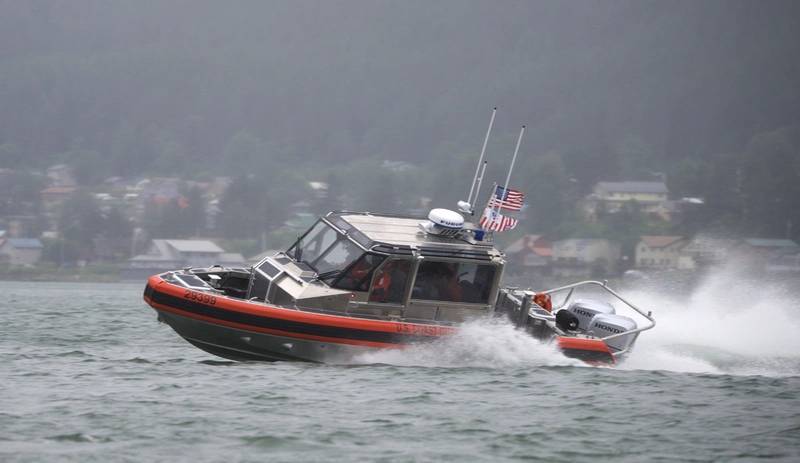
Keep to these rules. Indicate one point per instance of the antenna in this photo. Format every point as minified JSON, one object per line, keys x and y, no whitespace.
{"x":467,"y":207}
{"x":513,"y":160}
{"x":478,"y":190}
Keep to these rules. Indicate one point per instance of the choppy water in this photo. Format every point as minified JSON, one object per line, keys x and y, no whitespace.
{"x":87,"y":374}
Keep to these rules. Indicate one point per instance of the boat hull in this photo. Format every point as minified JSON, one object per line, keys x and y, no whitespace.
{"x":245,"y":345}
{"x":243,"y":330}
{"x":591,"y":351}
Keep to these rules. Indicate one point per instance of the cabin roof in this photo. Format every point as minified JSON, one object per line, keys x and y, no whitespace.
{"x":396,"y":234}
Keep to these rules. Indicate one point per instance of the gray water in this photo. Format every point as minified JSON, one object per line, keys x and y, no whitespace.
{"x":89,"y":375}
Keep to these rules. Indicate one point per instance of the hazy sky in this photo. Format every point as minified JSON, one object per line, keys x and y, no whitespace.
{"x":400,"y":80}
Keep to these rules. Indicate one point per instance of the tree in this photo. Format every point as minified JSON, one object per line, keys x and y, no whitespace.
{"x":689,"y":177}
{"x":770,"y":183}
{"x":116,"y":225}
{"x":11,"y":156}
{"x":193,"y":211}
{"x":251,"y":205}
{"x":164,"y":219}
{"x":332,"y":201}
{"x":722,"y":193}
{"x":635,"y":157}
{"x":19,"y":193}
{"x":548,"y":192}
{"x":90,"y":167}
{"x":79,"y":222}
{"x":131,"y":149}
{"x":381,"y":195}
{"x":243,"y":153}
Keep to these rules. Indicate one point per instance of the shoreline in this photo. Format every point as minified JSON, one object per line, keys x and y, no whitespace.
{"x":103,"y":274}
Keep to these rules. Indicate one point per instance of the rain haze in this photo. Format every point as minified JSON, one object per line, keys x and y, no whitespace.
{"x":660,"y":154}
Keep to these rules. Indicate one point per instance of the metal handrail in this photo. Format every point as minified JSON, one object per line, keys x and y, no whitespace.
{"x":604,"y":285}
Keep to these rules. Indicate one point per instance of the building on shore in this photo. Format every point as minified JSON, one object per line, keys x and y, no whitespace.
{"x":760,"y":252}
{"x":785,"y":264}
{"x":705,"y":251}
{"x":24,"y":252}
{"x":659,"y":252}
{"x":530,"y":255}
{"x":585,"y":257}
{"x":163,"y":255}
{"x":612,"y":197}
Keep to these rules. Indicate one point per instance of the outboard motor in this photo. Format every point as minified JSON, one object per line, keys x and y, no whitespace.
{"x":567,"y":320}
{"x":603,"y":325}
{"x":586,"y":309}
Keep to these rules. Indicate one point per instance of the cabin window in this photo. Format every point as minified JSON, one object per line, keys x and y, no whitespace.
{"x":269,"y":269}
{"x":314,"y":243}
{"x":454,"y":282}
{"x":359,"y":274}
{"x":191,"y":281}
{"x":390,"y":282}
{"x":337,"y":257}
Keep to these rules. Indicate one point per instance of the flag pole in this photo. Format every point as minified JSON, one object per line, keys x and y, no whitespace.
{"x":485,"y":208}
{"x":480,"y":161}
{"x":478,"y":190}
{"x":511,"y":167}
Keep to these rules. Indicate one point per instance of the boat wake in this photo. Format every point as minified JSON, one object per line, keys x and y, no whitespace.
{"x":729,"y":324}
{"x":484,"y":343}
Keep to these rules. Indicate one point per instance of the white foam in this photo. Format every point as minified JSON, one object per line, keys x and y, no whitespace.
{"x":489,"y":343}
{"x":729,"y":321}
{"x":730,"y":324}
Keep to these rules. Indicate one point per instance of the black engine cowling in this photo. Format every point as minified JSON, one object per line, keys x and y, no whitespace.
{"x":566,"y":320}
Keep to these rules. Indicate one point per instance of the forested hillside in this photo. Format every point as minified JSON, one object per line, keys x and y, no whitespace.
{"x":705,"y":92}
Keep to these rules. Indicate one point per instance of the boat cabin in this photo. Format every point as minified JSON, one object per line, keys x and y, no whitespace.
{"x":381,"y":266}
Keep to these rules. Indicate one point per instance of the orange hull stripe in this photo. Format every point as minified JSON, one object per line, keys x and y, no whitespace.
{"x":227,"y":303}
{"x":259,"y":329}
{"x":595,"y":345}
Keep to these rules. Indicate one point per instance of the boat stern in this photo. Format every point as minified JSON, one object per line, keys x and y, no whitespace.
{"x":590,"y":350}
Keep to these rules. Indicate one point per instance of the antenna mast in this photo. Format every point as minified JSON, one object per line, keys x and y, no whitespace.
{"x":513,"y":160}
{"x":478,"y":190}
{"x":480,"y":163}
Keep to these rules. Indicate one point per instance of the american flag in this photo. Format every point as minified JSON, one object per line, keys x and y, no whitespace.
{"x":491,"y":220}
{"x":510,"y":200}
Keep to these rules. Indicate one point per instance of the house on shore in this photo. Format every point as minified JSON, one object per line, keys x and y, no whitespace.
{"x":785,"y":264}
{"x":20,"y":251}
{"x":53,"y":197}
{"x":760,"y":251}
{"x":612,"y":197}
{"x":659,"y":252}
{"x":530,"y":254}
{"x":163,"y":255}
{"x":585,"y":257}
{"x":705,"y":251}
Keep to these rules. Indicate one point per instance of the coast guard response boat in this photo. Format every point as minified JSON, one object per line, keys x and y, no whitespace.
{"x":358,"y":281}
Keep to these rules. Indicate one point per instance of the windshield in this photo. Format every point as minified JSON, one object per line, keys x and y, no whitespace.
{"x":359,"y":274}
{"x":313,"y":244}
{"x":337,"y":257}
{"x":325,"y":250}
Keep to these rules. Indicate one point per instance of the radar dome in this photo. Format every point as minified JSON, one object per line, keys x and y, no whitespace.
{"x":443,"y":222}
